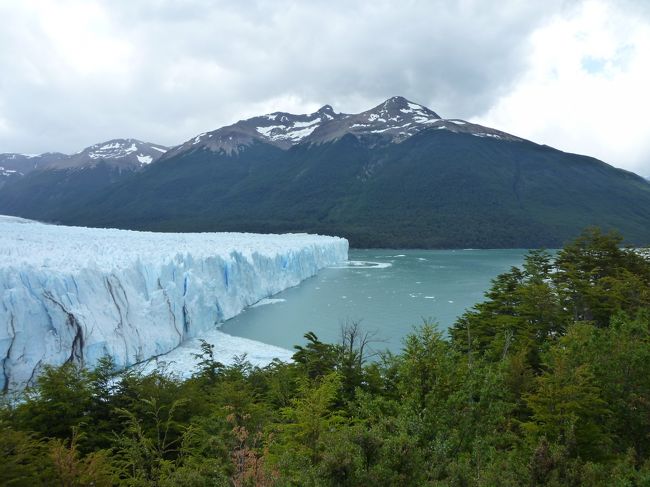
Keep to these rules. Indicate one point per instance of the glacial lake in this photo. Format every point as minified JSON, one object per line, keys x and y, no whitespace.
{"x":388,"y":291}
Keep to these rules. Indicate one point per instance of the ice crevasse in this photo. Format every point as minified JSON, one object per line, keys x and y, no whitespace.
{"x":77,"y":294}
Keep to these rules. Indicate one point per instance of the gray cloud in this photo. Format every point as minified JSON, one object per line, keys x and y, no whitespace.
{"x":173,"y":69}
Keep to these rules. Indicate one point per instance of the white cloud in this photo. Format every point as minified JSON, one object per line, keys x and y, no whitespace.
{"x":586,"y":87}
{"x":76,"y":72}
{"x":4,"y":127}
{"x":80,"y":37}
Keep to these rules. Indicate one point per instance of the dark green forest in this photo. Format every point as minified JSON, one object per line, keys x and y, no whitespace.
{"x":437,"y":189}
{"x":545,"y":382}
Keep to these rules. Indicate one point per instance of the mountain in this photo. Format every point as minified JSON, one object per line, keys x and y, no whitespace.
{"x":124,"y":154}
{"x":394,"y":120}
{"x":397,"y":175}
{"x":43,"y":184}
{"x":13,"y":166}
{"x":121,"y":153}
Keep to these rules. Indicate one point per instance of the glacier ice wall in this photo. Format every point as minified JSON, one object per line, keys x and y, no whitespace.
{"x":76,"y":294}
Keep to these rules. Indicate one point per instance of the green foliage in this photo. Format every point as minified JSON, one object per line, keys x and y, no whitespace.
{"x":208,"y":369}
{"x":546,"y":382}
{"x":596,"y":277}
{"x":567,"y":405}
{"x":23,"y":458}
{"x":522,"y":314}
{"x":317,"y":358}
{"x":59,"y":402}
{"x":307,"y":421}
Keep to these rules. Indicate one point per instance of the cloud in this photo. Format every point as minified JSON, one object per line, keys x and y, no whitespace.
{"x":75,"y":72}
{"x":585,"y":88}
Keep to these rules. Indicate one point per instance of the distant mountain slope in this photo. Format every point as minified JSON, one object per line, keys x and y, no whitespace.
{"x":394,"y":120}
{"x":394,"y":176}
{"x":436,"y":189}
{"x":26,"y":163}
{"x":14,"y":166}
{"x":130,"y":154}
{"x":43,"y":185}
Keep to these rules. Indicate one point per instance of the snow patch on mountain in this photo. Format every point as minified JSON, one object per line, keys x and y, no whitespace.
{"x":77,"y":294}
{"x":25,"y":163}
{"x":291,"y":130}
{"x":144,"y":159}
{"x":392,"y":121}
{"x":111,"y":151}
{"x":129,"y":154}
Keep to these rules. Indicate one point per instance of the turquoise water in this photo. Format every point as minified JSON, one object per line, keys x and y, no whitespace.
{"x":388,"y":291}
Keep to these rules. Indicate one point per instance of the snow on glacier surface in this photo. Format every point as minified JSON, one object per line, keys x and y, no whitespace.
{"x":76,"y":294}
{"x":182,"y":360}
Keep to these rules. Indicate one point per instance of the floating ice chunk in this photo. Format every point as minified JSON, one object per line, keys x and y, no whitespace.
{"x":265,"y":301}
{"x":362,"y":264}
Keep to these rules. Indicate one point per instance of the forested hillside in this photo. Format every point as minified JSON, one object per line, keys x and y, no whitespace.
{"x":546,"y":382}
{"x":448,"y":184}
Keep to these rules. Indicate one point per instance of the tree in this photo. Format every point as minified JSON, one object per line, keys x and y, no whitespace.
{"x":316,"y":358}
{"x":353,"y":353}
{"x":596,"y":277}
{"x":208,"y":369}
{"x":567,"y":405}
{"x":310,"y":417}
{"x":59,"y":401}
{"x":522,"y":313}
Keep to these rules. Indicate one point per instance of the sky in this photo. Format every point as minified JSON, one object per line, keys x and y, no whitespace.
{"x":572,"y":74}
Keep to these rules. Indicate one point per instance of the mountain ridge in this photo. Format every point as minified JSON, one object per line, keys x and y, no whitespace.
{"x":393,"y":120}
{"x":124,"y":153}
{"x":396,"y":175}
{"x":437,"y":189}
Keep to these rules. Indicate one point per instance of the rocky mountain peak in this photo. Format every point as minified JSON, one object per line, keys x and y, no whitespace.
{"x":12,"y":164}
{"x":392,"y":121}
{"x":399,"y":107}
{"x":327,"y":111}
{"x":121,"y":148}
{"x":121,"y":153}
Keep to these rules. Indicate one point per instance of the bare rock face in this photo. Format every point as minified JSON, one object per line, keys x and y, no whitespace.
{"x":124,"y":154}
{"x":121,"y":153}
{"x":392,"y":121}
{"x":12,"y":164}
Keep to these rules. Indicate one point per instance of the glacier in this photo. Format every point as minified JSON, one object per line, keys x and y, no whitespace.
{"x":77,"y":294}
